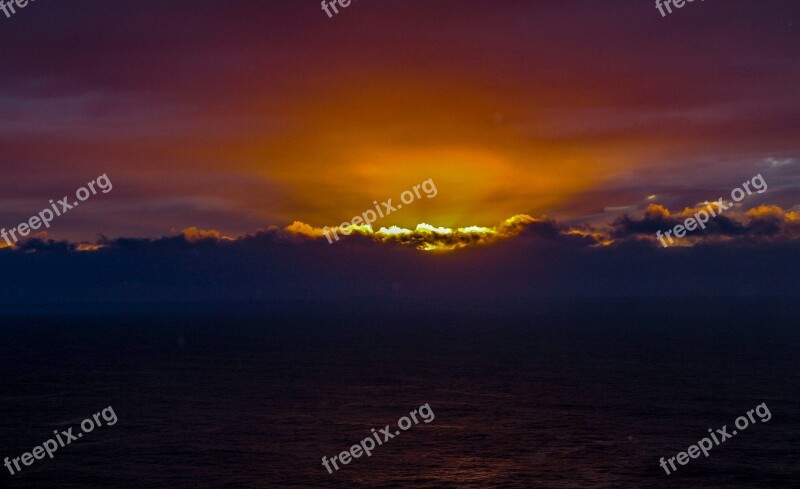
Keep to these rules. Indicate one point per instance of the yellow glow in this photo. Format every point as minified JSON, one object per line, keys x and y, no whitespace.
{"x":84,"y":247}
{"x":424,"y":237}
{"x":365,"y":230}
{"x":476,"y":229}
{"x":381,"y":136}
{"x":394,"y":231}
{"x":600,"y":238}
{"x":428,"y":229}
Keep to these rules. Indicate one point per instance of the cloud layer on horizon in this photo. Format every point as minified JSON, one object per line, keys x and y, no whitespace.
{"x":750,"y":255}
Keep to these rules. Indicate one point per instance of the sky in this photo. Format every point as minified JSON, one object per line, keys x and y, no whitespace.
{"x":236,"y":116}
{"x":556,"y":140}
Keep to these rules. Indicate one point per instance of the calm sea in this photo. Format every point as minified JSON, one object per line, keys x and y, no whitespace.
{"x":543,"y":394}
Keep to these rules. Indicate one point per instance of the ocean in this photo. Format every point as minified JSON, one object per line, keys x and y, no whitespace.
{"x":526,"y":394}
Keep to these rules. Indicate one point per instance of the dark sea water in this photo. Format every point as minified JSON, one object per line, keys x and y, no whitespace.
{"x":547,"y":394}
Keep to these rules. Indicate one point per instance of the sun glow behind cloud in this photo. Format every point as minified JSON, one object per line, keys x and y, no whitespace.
{"x":424,"y":237}
{"x":378,"y":136}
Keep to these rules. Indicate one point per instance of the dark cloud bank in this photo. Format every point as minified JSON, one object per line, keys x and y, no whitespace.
{"x":545,"y":260}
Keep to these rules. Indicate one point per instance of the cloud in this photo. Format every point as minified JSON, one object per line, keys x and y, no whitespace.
{"x":193,"y":234}
{"x":775,"y":162}
{"x":426,"y":237}
{"x":762,"y":223}
{"x":523,"y":257}
{"x":540,"y":258}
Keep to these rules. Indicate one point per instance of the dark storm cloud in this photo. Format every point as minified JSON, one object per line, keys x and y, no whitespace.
{"x":543,"y":259}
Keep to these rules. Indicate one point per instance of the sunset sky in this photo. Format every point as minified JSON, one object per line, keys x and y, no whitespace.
{"x":550,"y":288}
{"x":238,"y":115}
